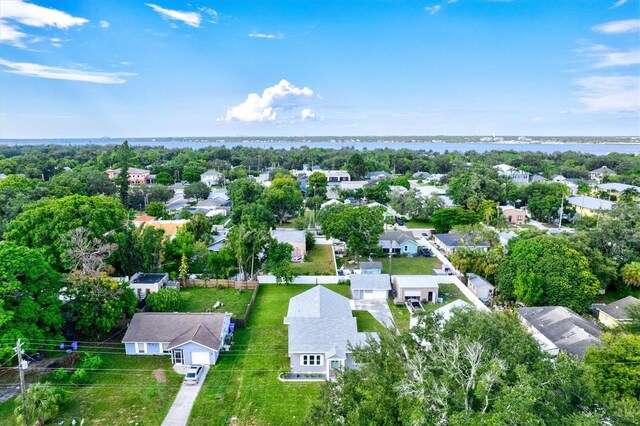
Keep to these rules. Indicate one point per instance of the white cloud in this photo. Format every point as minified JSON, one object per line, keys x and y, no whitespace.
{"x":104,"y":24}
{"x":260,"y":108}
{"x":432,"y":10}
{"x":55,"y":40}
{"x":618,"y":27}
{"x":255,"y":34}
{"x":307,"y":113}
{"x":57,"y":73}
{"x":192,"y":19}
{"x":212,"y":14}
{"x":620,"y":3}
{"x":610,"y":93}
{"x":605,"y":56}
{"x":56,"y":44}
{"x":11,"y":35}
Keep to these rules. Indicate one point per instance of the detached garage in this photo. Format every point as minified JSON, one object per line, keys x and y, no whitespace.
{"x":188,"y":338}
{"x":370,"y":286}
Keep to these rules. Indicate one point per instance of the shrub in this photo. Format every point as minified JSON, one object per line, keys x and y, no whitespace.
{"x":80,"y":377}
{"x":166,"y":300}
{"x":310,"y":241}
{"x":60,"y":375}
{"x":91,"y":361}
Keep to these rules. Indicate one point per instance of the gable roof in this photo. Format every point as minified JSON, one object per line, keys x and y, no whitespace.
{"x":447,"y":310}
{"x":415,"y":281}
{"x":289,"y":236}
{"x":618,"y":309}
{"x":456,"y":239}
{"x":319,"y":302}
{"x":563,"y":327}
{"x":370,"y":265}
{"x":618,"y":187}
{"x":478,"y":281}
{"x":176,"y":328}
{"x":370,"y":281}
{"x":604,"y":170}
{"x":400,"y":237}
{"x":590,"y":203}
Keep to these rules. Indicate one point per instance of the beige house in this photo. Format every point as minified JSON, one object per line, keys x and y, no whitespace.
{"x":514,"y":215}
{"x":589,"y":206}
{"x":421,"y":287}
{"x":480,"y":287}
{"x":615,"y":313}
{"x":135,"y":176}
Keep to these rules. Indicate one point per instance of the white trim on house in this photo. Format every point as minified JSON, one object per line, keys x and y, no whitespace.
{"x":144,"y":347}
{"x":305,"y":360}
{"x":195,"y":343}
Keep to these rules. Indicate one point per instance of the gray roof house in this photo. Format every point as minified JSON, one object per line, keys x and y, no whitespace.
{"x":370,"y":286}
{"x":376,"y":175}
{"x":188,"y":338}
{"x":615,"y":313}
{"x":145,"y":283}
{"x":370,"y":267}
{"x":482,"y":288}
{"x":600,"y":173}
{"x":618,"y":187}
{"x":398,"y":242}
{"x":448,"y":243}
{"x":321,"y":332}
{"x":589,"y":205}
{"x":558,"y":328}
{"x":211,"y":178}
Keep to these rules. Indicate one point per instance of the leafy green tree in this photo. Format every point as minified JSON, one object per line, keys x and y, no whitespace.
{"x":283,"y":198}
{"x":222,"y":264}
{"x":432,"y":204}
{"x":44,"y":225}
{"x":488,"y":210}
{"x":527,"y":288}
{"x":165,"y":300}
{"x":617,"y":233}
{"x":98,"y":302}
{"x":158,"y":193}
{"x":317,"y":186}
{"x":243,"y":192}
{"x":566,"y":277}
{"x":197,"y":190}
{"x":247,"y":241}
{"x":544,"y":199}
{"x":356,"y":166}
{"x":633,"y":325}
{"x":29,"y":297}
{"x":279,"y":262}
{"x":402,"y":181}
{"x":163,"y":178}
{"x":122,"y":180}
{"x":615,"y":366}
{"x":156,"y":209}
{"x":630,"y":274}
{"x":378,"y":191}
{"x":446,"y":218}
{"x":310,"y":241}
{"x":43,"y":404}
{"x":87,"y":181}
{"x":139,"y":249}
{"x":199,"y":226}
{"x":359,"y":227}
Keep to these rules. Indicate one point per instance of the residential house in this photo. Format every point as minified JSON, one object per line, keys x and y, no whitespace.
{"x":518,"y":176}
{"x":213,"y":206}
{"x":329,"y":203}
{"x":615,"y":313}
{"x":589,"y":206}
{"x":398,"y":189}
{"x":367,"y":268}
{"x":449,"y":243}
{"x":421,"y":175}
{"x":190,"y":339}
{"x":537,"y":178}
{"x":135,"y":176}
{"x":322,"y":332}
{"x":144,"y":284}
{"x":398,"y":242}
{"x":218,"y":240}
{"x":447,"y":311}
{"x":558,"y":328}
{"x":420,"y":287}
{"x":370,"y":286}
{"x":618,"y":188}
{"x":296,"y":238}
{"x":599,"y":174}
{"x":352,"y":185}
{"x":505,"y":237}
{"x":558,"y":179}
{"x":377,"y":175}
{"x":514,"y":215}
{"x":387,"y":211}
{"x":336,"y":175}
{"x":482,"y":288}
{"x":212,"y":178}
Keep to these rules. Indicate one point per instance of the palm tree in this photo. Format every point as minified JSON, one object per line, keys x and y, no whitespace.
{"x":42,"y":404}
{"x":631,"y":274}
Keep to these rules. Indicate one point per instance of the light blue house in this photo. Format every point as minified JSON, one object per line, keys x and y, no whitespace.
{"x":398,"y":242}
{"x":188,"y":338}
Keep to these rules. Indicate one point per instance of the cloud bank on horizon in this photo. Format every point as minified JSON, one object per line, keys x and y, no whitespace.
{"x":180,"y":67}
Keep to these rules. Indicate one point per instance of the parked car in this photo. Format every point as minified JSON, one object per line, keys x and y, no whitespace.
{"x":399,"y":221}
{"x":193,"y":375}
{"x":426,"y":252}
{"x":425,"y":235}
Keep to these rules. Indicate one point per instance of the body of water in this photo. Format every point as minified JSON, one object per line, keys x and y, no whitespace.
{"x":439,"y":146}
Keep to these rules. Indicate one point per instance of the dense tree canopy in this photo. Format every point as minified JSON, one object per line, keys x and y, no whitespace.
{"x":447,"y":218}
{"x":359,"y":227}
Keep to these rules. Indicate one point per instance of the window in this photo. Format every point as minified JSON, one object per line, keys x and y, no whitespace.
{"x":164,"y":347}
{"x":406,"y":248}
{"x":311,"y":359}
{"x":141,"y":348}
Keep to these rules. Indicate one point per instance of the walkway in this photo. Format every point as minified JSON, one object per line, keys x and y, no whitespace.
{"x":179,"y":412}
{"x":378,"y":308}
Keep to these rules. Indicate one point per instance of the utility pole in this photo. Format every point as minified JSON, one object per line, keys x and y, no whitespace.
{"x":23,"y":388}
{"x":561,"y":213}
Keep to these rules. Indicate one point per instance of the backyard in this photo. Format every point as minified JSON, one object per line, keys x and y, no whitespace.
{"x":418,"y":224}
{"x":125,"y":390}
{"x":243,"y":387}
{"x":367,"y":323}
{"x":201,"y":299}
{"x":318,"y":261}
{"x":419,"y":265}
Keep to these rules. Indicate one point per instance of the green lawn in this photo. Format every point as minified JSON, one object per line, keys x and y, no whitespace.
{"x":244,"y":383}
{"x":318,"y":261}
{"x":199,"y":299}
{"x":367,"y":323}
{"x":417,"y":224}
{"x":127,"y":390}
{"x":419,"y":265}
{"x":400,"y":316}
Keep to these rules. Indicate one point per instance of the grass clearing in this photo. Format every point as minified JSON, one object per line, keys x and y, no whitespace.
{"x":400,"y":315}
{"x":367,"y":323}
{"x":418,"y":224}
{"x":318,"y":261}
{"x":244,"y":383}
{"x":200,"y":299}
{"x":418,"y":265}
{"x":126,"y":390}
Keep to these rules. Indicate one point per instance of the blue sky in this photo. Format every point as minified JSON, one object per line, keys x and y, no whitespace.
{"x":92,"y":68}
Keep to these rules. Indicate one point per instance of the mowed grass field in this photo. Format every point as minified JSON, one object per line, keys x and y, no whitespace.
{"x":418,"y":265}
{"x":243,"y":387}
{"x":318,"y":261}
{"x":201,"y":299}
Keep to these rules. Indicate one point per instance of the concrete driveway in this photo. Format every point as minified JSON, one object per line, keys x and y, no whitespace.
{"x":178,"y":414}
{"x":378,"y":308}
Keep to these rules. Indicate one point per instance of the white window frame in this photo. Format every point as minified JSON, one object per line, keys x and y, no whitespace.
{"x":144,"y":348}
{"x":305,"y":360}
{"x":163,"y":348}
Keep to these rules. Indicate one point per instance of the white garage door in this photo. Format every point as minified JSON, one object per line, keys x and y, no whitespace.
{"x":412,"y":293}
{"x":369,"y":294}
{"x":201,"y":358}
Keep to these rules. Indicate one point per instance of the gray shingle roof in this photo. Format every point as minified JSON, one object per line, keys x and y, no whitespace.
{"x":398,"y":236}
{"x":566,"y":329}
{"x":289,"y":236}
{"x":590,"y":203}
{"x":618,"y":187}
{"x":478,"y":281}
{"x":370,"y":265}
{"x":176,"y":328}
{"x":618,"y":309}
{"x":370,"y":282}
{"x":319,"y":302}
{"x":454,"y":239}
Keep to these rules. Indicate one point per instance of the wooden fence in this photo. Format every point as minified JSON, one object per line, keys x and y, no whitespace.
{"x":244,"y":285}
{"x":242,"y":322}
